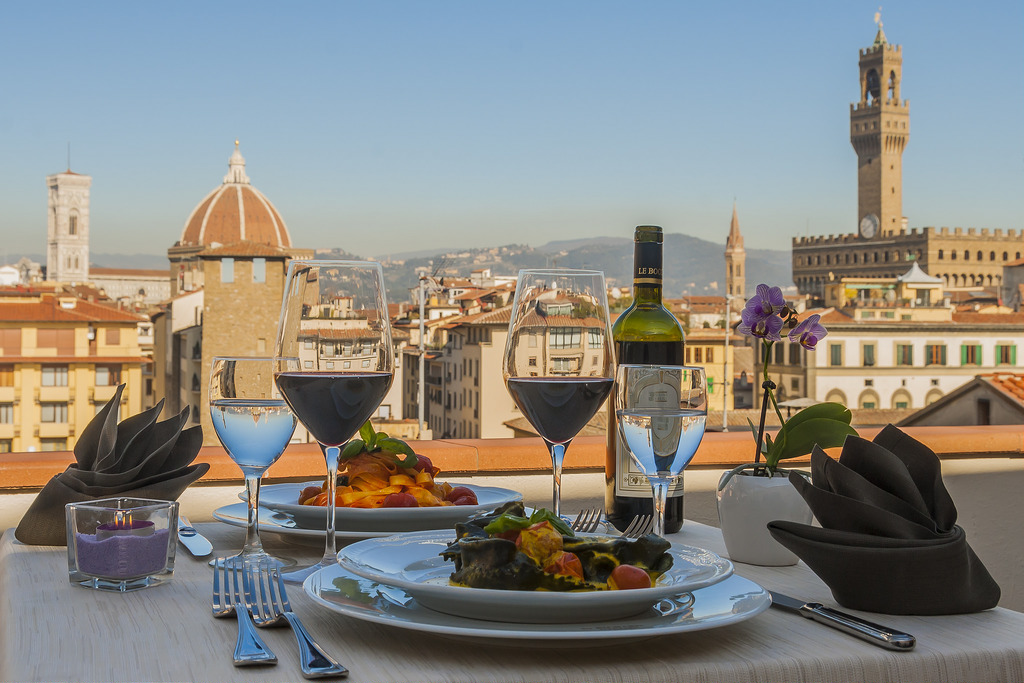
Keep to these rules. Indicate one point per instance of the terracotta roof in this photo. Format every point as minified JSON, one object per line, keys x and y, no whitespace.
{"x":245,"y":248}
{"x":49,"y":310}
{"x":129,"y":272}
{"x":989,"y":318}
{"x":1011,"y":383}
{"x":501,"y":316}
{"x":98,"y":360}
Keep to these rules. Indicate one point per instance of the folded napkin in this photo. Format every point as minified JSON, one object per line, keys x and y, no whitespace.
{"x":888,"y":540}
{"x":138,"y":458}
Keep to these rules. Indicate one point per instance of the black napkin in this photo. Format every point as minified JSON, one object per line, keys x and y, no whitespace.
{"x":138,"y":458}
{"x":888,"y":540}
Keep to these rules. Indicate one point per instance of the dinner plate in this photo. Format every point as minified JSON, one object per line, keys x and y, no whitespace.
{"x":412,"y":562}
{"x":271,"y":521}
{"x":283,"y":497}
{"x":729,"y":601}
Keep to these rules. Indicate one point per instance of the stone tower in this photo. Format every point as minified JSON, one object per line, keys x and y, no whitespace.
{"x":67,"y":227}
{"x":735,"y":260}
{"x":879,"y":129}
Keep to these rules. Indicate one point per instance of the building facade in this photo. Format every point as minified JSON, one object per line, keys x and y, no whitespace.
{"x":61,"y":358}
{"x":67,"y":227}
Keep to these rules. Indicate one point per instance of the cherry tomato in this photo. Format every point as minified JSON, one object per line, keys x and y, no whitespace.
{"x":627,"y":576}
{"x":400,"y":500}
{"x":566,"y":563}
{"x":462,"y":492}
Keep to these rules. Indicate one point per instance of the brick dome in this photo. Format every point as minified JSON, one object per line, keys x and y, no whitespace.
{"x":235,"y":212}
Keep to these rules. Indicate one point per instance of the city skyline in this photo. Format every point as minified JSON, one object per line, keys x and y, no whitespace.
{"x":400,"y":127}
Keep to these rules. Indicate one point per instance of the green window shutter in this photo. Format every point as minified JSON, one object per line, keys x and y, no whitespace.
{"x":977,"y":354}
{"x":963,"y":354}
{"x":942,"y":353}
{"x":1013,"y":355}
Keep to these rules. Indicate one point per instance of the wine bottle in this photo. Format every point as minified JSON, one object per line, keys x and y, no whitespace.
{"x":646,"y":332}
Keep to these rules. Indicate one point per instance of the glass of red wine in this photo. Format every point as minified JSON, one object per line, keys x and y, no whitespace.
{"x":334,"y":361}
{"x":559,"y":363}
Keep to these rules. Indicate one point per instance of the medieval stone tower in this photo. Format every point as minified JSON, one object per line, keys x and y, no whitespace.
{"x":67,"y":227}
{"x":735,"y":260}
{"x":879,"y":129}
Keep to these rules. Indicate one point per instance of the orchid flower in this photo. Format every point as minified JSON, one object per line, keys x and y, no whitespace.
{"x":809,"y":332}
{"x":754,"y":324}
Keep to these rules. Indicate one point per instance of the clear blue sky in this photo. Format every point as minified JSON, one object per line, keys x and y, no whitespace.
{"x":389,"y":126}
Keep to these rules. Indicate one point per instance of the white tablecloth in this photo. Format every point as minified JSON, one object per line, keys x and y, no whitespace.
{"x":53,"y":631}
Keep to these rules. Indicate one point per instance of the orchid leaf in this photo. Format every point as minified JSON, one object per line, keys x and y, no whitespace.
{"x":823,"y":411}
{"x":792,"y":442}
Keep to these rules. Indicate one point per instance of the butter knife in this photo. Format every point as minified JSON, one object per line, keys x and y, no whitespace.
{"x":192,"y":539}
{"x":865,"y":630}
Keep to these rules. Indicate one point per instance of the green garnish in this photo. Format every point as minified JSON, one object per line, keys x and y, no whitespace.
{"x":371,"y":441}
{"x":510,"y":522}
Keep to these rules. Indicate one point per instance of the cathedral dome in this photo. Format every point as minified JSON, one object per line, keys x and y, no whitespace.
{"x":235,"y":212}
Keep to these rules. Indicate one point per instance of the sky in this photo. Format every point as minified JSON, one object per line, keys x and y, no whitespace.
{"x":385,"y":127}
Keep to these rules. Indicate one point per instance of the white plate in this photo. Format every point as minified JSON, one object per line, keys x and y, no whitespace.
{"x":412,"y":562}
{"x":273,"y":522}
{"x":283,"y":497}
{"x":728,"y":602}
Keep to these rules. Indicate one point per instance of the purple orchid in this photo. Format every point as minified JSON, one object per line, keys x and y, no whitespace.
{"x":761,"y":326}
{"x":766,"y":301}
{"x":809,"y":332}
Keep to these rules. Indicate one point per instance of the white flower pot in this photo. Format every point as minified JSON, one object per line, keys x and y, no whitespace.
{"x":745,"y":506}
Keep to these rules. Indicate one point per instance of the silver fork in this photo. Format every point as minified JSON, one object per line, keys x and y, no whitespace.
{"x":266,"y":597}
{"x":640,"y":526}
{"x":587,"y":521}
{"x":228,"y":599}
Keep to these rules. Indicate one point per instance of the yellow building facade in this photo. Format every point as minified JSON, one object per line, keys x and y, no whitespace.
{"x":61,"y":359}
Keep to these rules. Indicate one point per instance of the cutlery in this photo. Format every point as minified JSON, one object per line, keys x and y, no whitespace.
{"x":587,"y":521}
{"x":227,"y":600}
{"x":273,"y":609}
{"x":196,"y":543}
{"x":875,"y":634}
{"x":640,"y":526}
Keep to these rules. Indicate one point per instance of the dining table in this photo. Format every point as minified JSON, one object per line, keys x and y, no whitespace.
{"x":51,"y":630}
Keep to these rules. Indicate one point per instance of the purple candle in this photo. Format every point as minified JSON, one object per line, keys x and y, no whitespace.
{"x":122,"y":550}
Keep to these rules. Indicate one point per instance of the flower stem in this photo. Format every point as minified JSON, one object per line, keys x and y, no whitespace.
{"x":767,"y":386}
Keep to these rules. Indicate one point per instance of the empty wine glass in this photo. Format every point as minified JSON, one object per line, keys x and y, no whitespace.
{"x":559,"y":360}
{"x":661,"y":411}
{"x":334,"y":360}
{"x":254,"y":425}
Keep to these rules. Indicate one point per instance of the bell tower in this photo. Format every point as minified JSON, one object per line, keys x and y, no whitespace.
{"x":879,"y":130}
{"x":735,"y":260}
{"x":67,"y":227}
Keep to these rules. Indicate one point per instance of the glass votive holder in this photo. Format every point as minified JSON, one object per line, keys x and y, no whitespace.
{"x":121,"y":544}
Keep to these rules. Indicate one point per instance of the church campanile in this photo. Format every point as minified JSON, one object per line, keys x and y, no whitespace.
{"x":735,"y":260}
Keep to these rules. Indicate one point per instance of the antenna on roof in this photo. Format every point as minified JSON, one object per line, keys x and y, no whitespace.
{"x":69,"y":155}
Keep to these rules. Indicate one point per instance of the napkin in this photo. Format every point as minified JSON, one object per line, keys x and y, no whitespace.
{"x":888,"y":540}
{"x":138,"y":458}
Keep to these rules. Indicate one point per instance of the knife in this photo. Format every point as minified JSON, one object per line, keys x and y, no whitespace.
{"x":865,"y":630}
{"x":192,"y":539}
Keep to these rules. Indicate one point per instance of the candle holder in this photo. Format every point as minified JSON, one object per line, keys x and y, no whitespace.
{"x":121,"y":544}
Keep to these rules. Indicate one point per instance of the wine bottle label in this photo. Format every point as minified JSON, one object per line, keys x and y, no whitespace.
{"x":655,"y":389}
{"x":647,"y":262}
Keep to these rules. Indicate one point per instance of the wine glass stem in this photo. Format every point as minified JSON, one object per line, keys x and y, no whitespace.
{"x":253,"y":545}
{"x":659,"y":487}
{"x":332,"y":455}
{"x":557,"y":456}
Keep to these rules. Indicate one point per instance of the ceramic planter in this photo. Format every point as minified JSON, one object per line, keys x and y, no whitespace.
{"x":746,"y":503}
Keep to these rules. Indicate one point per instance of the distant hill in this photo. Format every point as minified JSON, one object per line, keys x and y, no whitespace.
{"x":692,"y":266}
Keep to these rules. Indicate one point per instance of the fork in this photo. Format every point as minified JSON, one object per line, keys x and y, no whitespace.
{"x":640,"y":526}
{"x":268,"y":601}
{"x":228,"y":600}
{"x":587,"y":521}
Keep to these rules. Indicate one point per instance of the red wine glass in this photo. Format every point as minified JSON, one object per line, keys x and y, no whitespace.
{"x":559,"y":362}
{"x":334,"y":361}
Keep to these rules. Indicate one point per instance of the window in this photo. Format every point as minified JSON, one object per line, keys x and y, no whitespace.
{"x":10,"y":342}
{"x":55,"y":375}
{"x":709,"y":355}
{"x":259,"y":270}
{"x":108,"y":375}
{"x":794,"y":384}
{"x":904,"y":354}
{"x":941,"y":254}
{"x":565,"y":337}
{"x":1006,"y":354}
{"x":62,"y":340}
{"x":984,"y":407}
{"x":113,"y":336}
{"x":698,"y":355}
{"x":53,"y":444}
{"x":227,"y":270}
{"x":6,"y":413}
{"x":562,"y":364}
{"x":532,"y":362}
{"x":6,"y":375}
{"x":935,"y":354}
{"x":835,"y":354}
{"x":196,"y":386}
{"x":54,"y":412}
{"x":595,"y":340}
{"x":794,"y":354}
{"x":869,"y":382}
{"x":780,"y":354}
{"x":688,"y":355}
{"x":6,"y":445}
{"x":902,"y":405}
{"x":970,"y":354}
{"x":72,"y":224}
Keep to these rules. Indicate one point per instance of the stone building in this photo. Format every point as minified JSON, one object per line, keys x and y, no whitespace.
{"x":67,"y":227}
{"x":883,"y":245}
